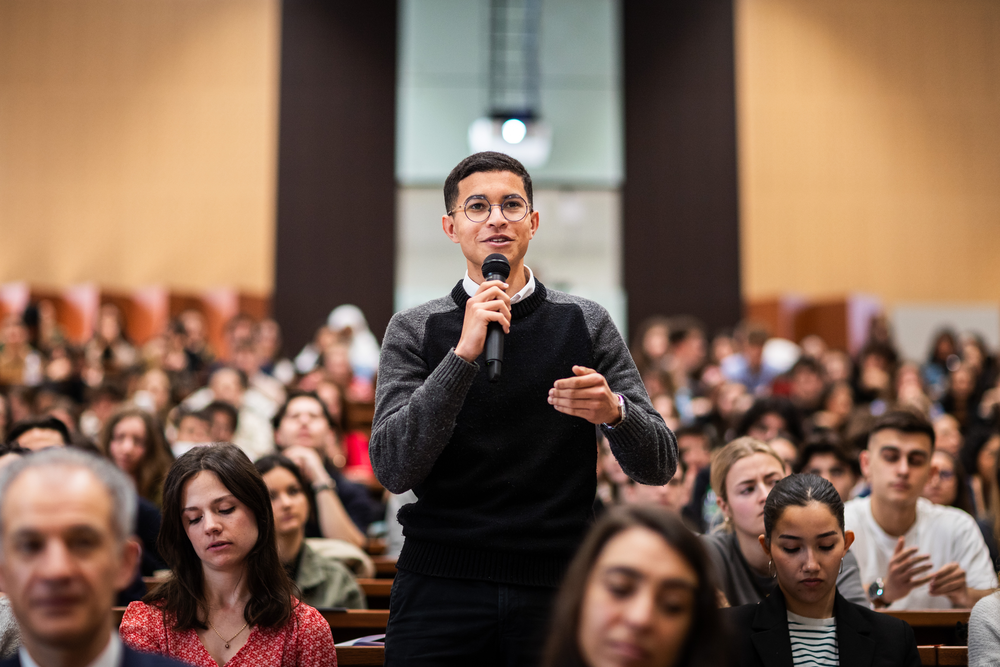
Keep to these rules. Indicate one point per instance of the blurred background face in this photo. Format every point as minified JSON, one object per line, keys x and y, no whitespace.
{"x":833,"y":470}
{"x":288,"y":500}
{"x":655,"y":342}
{"x":304,"y":425}
{"x":128,"y":444}
{"x":193,"y":429}
{"x":673,"y":495}
{"x":694,"y":451}
{"x":639,"y":603}
{"x":223,"y":428}
{"x":226,"y":386}
{"x":947,"y":435}
{"x":767,"y":427}
{"x":786,"y":450}
{"x":749,"y":481}
{"x":986,"y":460}
{"x":942,"y":486}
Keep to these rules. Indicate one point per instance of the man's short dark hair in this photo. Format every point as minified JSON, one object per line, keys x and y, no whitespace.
{"x":292,"y":395}
{"x":825,"y":442}
{"x":222,"y":406}
{"x":486,"y":161}
{"x":203,"y":415}
{"x":683,"y":326}
{"x":699,"y":431}
{"x":47,"y":423}
{"x":809,"y":364}
{"x":904,"y":421}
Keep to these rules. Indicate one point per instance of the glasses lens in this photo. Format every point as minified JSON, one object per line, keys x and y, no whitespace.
{"x":514,"y":209}
{"x":477,"y":209}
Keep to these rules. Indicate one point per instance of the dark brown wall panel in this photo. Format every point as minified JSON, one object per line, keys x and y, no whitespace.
{"x":336,"y":178}
{"x":681,"y":217}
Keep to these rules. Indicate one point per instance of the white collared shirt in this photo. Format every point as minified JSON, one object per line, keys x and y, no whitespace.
{"x":111,"y":656}
{"x":529,"y":288}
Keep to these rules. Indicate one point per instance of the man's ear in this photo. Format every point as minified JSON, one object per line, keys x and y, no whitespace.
{"x":864,"y":458}
{"x":448,"y":225}
{"x":130,"y":555}
{"x":533,"y":222}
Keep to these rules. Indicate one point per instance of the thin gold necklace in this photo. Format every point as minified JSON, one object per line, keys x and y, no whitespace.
{"x":231,"y":638}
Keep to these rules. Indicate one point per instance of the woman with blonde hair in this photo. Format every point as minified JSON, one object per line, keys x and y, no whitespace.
{"x":743,"y":474}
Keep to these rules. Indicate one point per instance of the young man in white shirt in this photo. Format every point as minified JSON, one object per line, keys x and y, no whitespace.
{"x":913,"y":554}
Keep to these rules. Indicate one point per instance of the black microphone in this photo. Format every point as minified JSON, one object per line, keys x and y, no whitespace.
{"x":496,"y":267}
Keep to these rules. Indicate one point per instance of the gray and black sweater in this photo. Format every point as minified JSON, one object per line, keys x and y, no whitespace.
{"x":505,"y":483}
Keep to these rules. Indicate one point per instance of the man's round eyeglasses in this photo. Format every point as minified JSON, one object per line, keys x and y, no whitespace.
{"x":478,"y":208}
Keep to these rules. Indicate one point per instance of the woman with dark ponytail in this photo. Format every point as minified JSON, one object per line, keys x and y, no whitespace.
{"x":805,"y":620}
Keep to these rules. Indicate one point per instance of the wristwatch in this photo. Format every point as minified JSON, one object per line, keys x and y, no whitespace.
{"x":325,"y":486}
{"x":621,"y":411}
{"x":876,"y":593}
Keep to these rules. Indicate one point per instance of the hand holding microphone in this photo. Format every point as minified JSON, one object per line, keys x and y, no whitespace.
{"x":490,"y":305}
{"x":496,"y":267}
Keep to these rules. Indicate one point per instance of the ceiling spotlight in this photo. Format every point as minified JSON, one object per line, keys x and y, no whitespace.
{"x":513,"y":131}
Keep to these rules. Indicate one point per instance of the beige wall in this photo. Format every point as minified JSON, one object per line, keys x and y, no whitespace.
{"x":138,"y":142}
{"x":869,"y":139}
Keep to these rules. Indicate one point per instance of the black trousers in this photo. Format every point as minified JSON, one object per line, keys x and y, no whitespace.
{"x":439,"y":621}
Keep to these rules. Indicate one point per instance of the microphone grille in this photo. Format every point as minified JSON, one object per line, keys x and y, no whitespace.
{"x":496,"y":263}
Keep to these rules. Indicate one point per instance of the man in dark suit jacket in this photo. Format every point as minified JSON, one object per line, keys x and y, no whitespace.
{"x":67,"y":546}
{"x":865,"y":638}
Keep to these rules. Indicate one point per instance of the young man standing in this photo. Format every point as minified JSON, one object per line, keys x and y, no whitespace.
{"x":913,"y":554}
{"x":504,"y":472}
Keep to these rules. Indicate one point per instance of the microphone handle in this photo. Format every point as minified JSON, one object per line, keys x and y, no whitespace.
{"x":494,"y":342}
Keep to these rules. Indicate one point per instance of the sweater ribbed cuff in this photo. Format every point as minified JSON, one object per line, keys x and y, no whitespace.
{"x":455,"y":374}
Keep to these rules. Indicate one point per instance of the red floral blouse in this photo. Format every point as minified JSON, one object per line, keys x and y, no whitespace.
{"x":305,"y":641}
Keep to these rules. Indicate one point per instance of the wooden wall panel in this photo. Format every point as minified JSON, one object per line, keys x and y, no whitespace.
{"x":138,"y":142}
{"x":336,"y":183}
{"x":869,"y":148}
{"x":680,"y":224}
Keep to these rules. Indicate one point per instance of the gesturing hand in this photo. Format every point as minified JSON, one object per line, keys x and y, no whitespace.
{"x":309,"y":462}
{"x":586,"y":395}
{"x":904,"y":570}
{"x":950,"y":582}
{"x":490,"y":304}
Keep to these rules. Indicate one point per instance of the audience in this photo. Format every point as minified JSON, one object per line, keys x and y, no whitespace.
{"x":639,"y":591}
{"x":229,"y":592}
{"x":913,"y":554}
{"x":823,"y":414}
{"x":305,"y":432}
{"x":743,"y":474}
{"x":806,"y":621}
{"x":323,"y":581}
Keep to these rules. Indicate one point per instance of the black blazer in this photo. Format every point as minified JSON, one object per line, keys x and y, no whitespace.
{"x":130,"y":658}
{"x":865,"y":638}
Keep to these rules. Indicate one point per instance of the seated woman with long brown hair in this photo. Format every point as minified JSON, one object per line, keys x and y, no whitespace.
{"x":230,"y":601}
{"x":133,"y":440}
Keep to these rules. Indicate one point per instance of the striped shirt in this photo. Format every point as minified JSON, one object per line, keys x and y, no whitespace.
{"x":814,"y":641}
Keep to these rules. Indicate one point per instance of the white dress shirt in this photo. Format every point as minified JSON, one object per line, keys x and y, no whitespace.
{"x":529,"y":288}
{"x":111,"y":656}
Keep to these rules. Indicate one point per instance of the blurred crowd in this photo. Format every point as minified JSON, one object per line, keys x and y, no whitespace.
{"x":814,"y":405}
